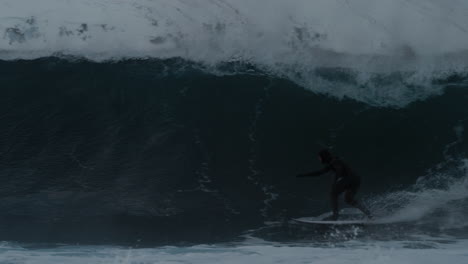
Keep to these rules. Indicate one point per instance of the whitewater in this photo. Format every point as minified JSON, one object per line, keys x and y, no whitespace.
{"x":419,"y":42}
{"x":426,"y":251}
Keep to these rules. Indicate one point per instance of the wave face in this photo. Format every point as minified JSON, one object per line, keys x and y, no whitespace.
{"x":390,"y":54}
{"x":186,"y":121}
{"x":163,"y":151}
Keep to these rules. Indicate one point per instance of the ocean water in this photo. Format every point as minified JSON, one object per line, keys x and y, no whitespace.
{"x":427,"y":250}
{"x":172,"y":131}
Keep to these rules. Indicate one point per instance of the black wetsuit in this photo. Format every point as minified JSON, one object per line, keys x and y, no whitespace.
{"x":345,"y":180}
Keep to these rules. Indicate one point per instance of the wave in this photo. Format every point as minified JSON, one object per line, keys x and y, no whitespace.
{"x":438,"y":199}
{"x":168,"y":151}
{"x":411,"y":44}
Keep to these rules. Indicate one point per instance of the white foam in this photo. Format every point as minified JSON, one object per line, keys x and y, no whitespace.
{"x":379,"y":252}
{"x":443,"y":205}
{"x":425,"y":40}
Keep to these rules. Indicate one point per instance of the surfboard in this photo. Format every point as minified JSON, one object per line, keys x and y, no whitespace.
{"x":348,"y":216}
{"x":313,"y":220}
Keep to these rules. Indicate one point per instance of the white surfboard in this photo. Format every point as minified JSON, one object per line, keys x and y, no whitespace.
{"x":348,"y":216}
{"x":313,"y":220}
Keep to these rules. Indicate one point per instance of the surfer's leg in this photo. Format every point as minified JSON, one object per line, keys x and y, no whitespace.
{"x":350,"y":193}
{"x":334,"y":205}
{"x":334,"y":194}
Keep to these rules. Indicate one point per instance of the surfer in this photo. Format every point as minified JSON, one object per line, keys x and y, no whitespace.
{"x":345,"y":180}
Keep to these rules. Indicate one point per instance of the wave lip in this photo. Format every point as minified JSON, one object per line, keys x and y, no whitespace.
{"x":220,"y":30}
{"x":374,"y":40}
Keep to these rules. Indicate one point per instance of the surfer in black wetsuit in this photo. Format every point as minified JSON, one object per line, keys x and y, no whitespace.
{"x":345,"y":180}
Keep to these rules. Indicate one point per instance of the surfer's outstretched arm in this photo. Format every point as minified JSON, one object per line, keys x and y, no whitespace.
{"x":315,"y":173}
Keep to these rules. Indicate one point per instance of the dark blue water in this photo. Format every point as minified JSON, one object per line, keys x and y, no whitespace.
{"x":164,"y":152}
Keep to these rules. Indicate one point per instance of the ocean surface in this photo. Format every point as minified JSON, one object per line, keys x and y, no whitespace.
{"x":171,"y":131}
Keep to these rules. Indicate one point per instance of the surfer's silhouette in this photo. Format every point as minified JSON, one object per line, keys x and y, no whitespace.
{"x":345,"y":180}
